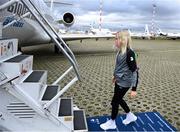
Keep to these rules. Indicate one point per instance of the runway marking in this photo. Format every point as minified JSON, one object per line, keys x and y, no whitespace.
{"x":149,"y":118}
{"x":163,"y":121}
{"x":141,"y":120}
{"x":117,"y":129}
{"x":151,"y":127}
{"x":121,"y":118}
{"x":160,"y":124}
{"x":137,"y":124}
{"x":134,"y":128}
{"x":144,"y":129}
{"x":161,"y":129}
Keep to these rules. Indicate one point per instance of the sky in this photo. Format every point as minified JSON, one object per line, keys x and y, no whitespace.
{"x":118,"y":14}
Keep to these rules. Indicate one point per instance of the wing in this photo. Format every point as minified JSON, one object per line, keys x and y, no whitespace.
{"x":71,"y":37}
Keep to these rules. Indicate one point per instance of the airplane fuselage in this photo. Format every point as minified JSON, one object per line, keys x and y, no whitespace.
{"x":27,"y":30}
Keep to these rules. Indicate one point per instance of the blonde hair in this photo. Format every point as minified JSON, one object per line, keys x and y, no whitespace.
{"x":126,"y":41}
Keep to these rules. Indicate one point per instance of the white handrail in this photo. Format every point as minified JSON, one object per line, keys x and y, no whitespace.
{"x":71,"y":59}
{"x":1,"y":26}
{"x":54,"y":31}
{"x":62,"y":76}
{"x":7,"y":4}
{"x":60,"y":93}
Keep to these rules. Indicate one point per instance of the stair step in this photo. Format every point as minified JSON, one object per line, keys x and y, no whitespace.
{"x":19,"y":65}
{"x":8,"y":48}
{"x":65,"y":108}
{"x":18,"y":58}
{"x":50,"y":92}
{"x":35,"y":76}
{"x":80,"y":122}
{"x":33,"y":83}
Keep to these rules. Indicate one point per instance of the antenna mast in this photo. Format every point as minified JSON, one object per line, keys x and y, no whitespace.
{"x":51,"y":4}
{"x":100,"y":14}
{"x":153,"y":17}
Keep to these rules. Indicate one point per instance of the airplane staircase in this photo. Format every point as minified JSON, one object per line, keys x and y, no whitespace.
{"x":27,"y":102}
{"x":25,"y":96}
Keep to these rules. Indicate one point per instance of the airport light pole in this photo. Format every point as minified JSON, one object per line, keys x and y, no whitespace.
{"x":153,"y":17}
{"x":51,"y":4}
{"x":100,"y":14}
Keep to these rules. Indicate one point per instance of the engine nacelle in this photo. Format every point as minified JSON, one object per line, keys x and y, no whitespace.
{"x":68,"y":19}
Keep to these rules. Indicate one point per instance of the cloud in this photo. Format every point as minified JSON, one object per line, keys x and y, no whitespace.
{"x":125,"y":12}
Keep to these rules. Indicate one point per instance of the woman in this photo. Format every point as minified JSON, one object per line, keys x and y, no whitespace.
{"x":125,"y":77}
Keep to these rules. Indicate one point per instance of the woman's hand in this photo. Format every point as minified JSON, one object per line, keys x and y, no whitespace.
{"x":113,"y":80}
{"x":133,"y":94}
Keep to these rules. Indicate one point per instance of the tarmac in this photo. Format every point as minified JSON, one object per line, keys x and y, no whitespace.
{"x":159,"y":85}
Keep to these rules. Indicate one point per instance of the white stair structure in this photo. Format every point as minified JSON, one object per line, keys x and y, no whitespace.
{"x":27,"y":102}
{"x":24,"y":95}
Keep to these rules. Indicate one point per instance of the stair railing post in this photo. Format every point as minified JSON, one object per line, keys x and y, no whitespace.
{"x":54,"y":31}
{"x":7,"y":4}
{"x":1,"y":29}
{"x":53,"y":38}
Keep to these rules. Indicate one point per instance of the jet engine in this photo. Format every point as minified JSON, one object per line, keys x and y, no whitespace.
{"x":67,"y":19}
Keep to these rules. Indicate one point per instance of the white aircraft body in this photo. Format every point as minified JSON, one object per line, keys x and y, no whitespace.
{"x":168,"y":35}
{"x":160,"y":33}
{"x":145,"y":35}
{"x":28,"y":30}
{"x":102,"y":31}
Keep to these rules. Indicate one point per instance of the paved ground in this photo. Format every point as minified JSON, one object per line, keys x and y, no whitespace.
{"x":159,"y":88}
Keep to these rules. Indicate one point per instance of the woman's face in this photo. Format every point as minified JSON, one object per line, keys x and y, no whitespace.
{"x":118,"y":41}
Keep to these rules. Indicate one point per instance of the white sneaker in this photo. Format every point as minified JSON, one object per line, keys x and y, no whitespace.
{"x":130,"y":117}
{"x":110,"y":124}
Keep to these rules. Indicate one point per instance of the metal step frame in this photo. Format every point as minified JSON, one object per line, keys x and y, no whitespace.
{"x":19,"y":87}
{"x":54,"y":37}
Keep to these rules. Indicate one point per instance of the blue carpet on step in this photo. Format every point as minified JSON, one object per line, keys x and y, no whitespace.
{"x":148,"y":121}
